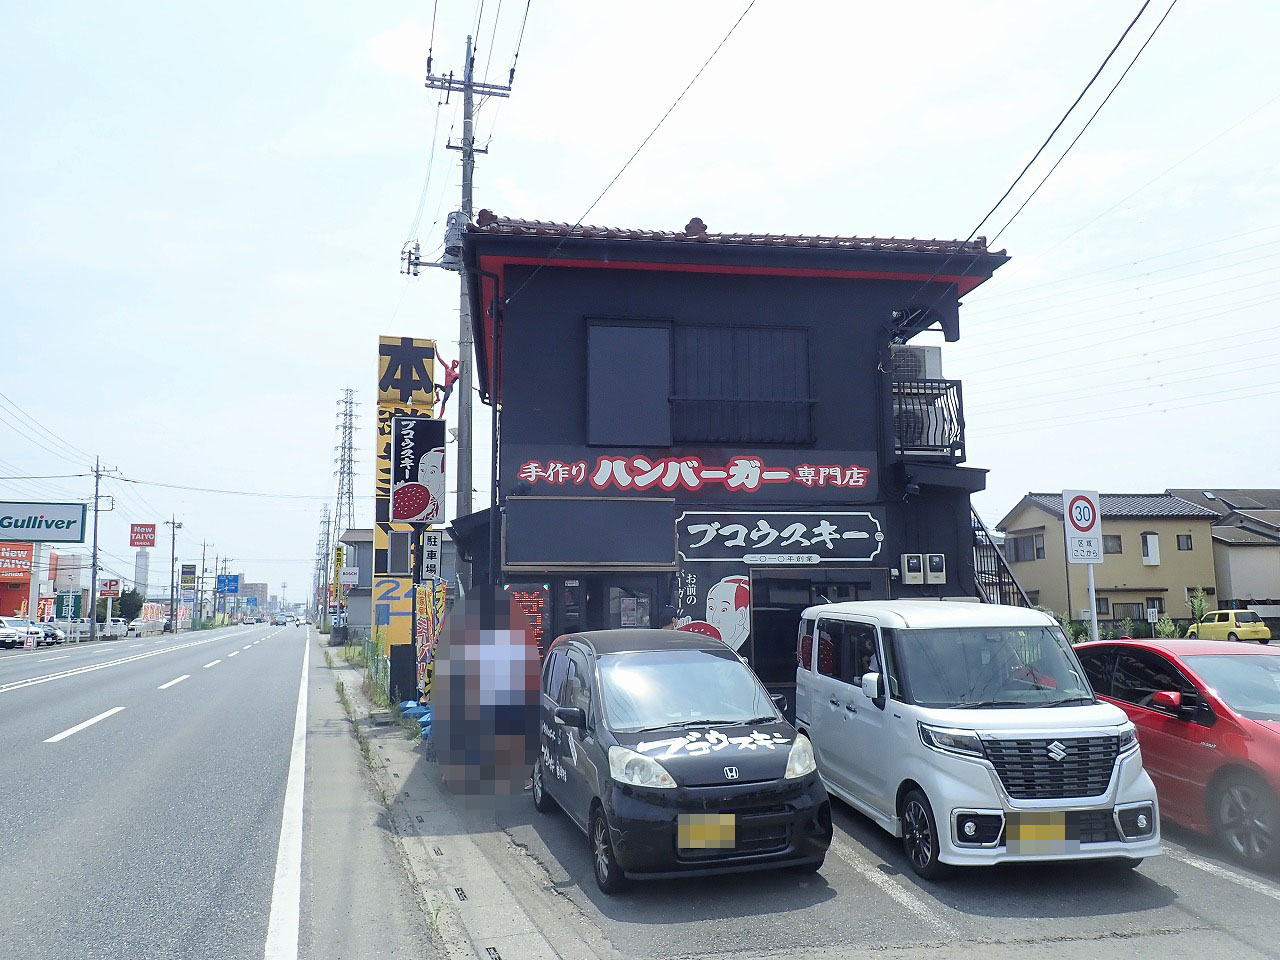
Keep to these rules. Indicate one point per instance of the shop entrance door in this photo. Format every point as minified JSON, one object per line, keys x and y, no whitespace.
{"x":779,"y":596}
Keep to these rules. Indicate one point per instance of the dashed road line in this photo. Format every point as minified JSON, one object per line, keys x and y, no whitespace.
{"x":49,"y":659}
{"x":89,"y":668}
{"x":175,"y":680}
{"x":233,"y":653}
{"x":1208,"y":866}
{"x":211,"y":663}
{"x":57,"y":737}
{"x":246,"y":646}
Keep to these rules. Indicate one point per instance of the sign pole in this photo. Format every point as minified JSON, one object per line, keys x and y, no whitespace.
{"x":1093,"y":606}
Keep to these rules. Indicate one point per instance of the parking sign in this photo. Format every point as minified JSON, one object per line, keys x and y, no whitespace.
{"x":1082,"y":521}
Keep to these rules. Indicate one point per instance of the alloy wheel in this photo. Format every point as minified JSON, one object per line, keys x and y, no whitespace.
{"x":600,"y":846}
{"x":919,"y":836}
{"x":1246,"y":821}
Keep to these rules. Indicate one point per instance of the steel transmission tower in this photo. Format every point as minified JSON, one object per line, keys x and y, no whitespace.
{"x":322,"y":566}
{"x":344,"y":514}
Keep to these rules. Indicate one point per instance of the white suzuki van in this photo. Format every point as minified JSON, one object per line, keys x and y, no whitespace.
{"x":970,"y":731}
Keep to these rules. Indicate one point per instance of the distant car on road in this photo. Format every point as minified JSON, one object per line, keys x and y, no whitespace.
{"x":1208,"y":721}
{"x":1233,"y":625}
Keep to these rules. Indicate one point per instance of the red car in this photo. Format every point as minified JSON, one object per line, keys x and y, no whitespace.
{"x":1208,"y":719}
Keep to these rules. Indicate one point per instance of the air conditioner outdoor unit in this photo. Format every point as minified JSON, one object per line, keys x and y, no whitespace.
{"x":919,"y":424}
{"x":917,"y":363}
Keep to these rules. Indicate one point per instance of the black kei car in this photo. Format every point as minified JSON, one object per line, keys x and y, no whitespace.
{"x":669,"y":753}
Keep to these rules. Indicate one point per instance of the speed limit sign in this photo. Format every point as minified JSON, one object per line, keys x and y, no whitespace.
{"x":1082,"y":521}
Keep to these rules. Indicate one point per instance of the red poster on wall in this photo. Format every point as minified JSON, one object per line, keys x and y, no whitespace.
{"x":15,"y":561}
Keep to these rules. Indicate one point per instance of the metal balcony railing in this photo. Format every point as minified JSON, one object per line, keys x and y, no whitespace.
{"x":928,"y":419}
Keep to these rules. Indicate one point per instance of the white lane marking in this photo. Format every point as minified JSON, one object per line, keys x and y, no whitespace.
{"x":80,"y":726}
{"x":286,"y":891}
{"x":255,"y":643}
{"x":211,"y":663}
{"x":246,"y":646}
{"x":900,"y":895}
{"x":76,"y":671}
{"x":175,"y":680}
{"x":132,"y":645}
{"x":233,"y":653}
{"x":1249,"y":883}
{"x":48,"y":659}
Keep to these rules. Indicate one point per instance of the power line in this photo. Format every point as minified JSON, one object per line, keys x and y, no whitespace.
{"x":45,"y":430}
{"x":661,"y":120}
{"x":492,"y":40}
{"x":511,"y":77}
{"x":1096,"y":111}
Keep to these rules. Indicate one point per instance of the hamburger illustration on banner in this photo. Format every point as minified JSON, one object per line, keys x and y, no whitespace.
{"x":417,"y":470}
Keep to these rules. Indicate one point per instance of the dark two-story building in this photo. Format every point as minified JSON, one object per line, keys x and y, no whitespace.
{"x":733,"y":425}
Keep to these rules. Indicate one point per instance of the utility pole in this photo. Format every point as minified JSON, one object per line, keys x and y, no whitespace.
{"x":174,"y":527}
{"x":204,"y":546}
{"x":93,"y":574}
{"x":470,"y":89}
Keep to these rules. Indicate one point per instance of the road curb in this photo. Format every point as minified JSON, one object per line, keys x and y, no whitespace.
{"x":472,"y":911}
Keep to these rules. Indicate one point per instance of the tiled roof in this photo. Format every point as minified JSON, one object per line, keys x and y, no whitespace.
{"x":695,"y":231}
{"x":1240,"y":537}
{"x":1223,"y":501}
{"x":1118,"y":505}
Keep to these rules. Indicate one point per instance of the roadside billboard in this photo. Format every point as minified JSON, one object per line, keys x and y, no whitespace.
{"x":417,"y":470}
{"x":15,"y":561}
{"x":110,"y":589}
{"x":188,"y":578}
{"x":142,"y":534}
{"x":42,"y":522}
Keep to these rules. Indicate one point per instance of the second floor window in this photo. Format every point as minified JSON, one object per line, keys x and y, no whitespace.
{"x":1111,"y":543}
{"x":741,"y":385}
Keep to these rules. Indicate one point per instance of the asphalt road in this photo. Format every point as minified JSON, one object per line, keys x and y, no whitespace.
{"x":534,"y":871}
{"x":142,"y":787}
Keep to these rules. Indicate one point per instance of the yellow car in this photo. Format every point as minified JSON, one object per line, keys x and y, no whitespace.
{"x":1231,"y":625}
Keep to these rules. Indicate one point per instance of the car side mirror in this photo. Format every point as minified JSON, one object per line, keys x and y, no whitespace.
{"x":571,"y":717}
{"x":1167,"y":700}
{"x":779,"y":701}
{"x":872,"y":686}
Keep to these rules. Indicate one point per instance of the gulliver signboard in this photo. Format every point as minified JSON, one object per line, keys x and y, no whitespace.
{"x":42,"y":522}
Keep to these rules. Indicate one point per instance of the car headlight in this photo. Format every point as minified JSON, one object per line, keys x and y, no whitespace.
{"x":800,"y":761}
{"x":948,"y":740}
{"x":1128,"y":739}
{"x":627,"y":766}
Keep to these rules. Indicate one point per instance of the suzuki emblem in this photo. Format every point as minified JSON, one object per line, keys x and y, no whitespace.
{"x":1057,"y":751}
{"x":731,"y":773}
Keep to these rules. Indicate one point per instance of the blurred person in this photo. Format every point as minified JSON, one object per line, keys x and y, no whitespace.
{"x":666,"y":618}
{"x":485,"y":695}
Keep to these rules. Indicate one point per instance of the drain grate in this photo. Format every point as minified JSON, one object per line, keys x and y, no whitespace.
{"x":462,"y":894}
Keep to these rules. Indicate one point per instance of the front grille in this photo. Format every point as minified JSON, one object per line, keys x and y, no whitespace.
{"x":758,"y":830}
{"x":1029,"y":772}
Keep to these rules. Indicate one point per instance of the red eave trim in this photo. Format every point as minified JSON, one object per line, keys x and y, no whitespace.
{"x":964,"y":283}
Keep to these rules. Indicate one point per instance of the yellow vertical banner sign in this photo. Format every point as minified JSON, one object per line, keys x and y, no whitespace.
{"x":339,"y":554}
{"x":406,"y":387}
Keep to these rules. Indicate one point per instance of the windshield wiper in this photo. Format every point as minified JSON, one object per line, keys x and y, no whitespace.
{"x":1059,"y":703}
{"x":709,"y":723}
{"x":993,"y":703}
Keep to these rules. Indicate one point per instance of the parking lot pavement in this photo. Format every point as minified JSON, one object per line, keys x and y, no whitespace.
{"x":534,"y":872}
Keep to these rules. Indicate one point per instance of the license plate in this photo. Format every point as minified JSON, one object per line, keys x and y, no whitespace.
{"x":706,"y":831}
{"x":1037,"y":833}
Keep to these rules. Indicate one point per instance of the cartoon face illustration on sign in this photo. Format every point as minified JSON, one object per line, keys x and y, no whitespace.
{"x":728,"y":609}
{"x":431,"y":476}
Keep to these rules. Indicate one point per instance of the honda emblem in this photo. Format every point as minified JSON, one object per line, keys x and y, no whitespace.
{"x":1057,"y":751}
{"x":731,"y":773}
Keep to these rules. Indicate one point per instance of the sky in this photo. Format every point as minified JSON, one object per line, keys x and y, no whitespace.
{"x":203,"y":209}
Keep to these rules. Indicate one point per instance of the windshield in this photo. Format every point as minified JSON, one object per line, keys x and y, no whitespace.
{"x":1247,"y":616}
{"x":1249,"y":685}
{"x":663,"y":688}
{"x":990,"y":666}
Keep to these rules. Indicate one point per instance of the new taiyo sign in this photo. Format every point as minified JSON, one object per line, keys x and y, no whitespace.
{"x":42,"y":522}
